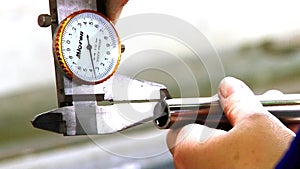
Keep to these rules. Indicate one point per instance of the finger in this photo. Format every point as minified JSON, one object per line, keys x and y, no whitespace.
{"x":190,"y":134}
{"x":171,"y":139}
{"x":113,"y":8}
{"x":238,"y":101}
{"x":186,"y":143}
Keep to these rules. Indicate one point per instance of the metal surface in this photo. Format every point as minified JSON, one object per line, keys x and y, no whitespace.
{"x":85,"y":110}
{"x":108,"y":119}
{"x":59,"y":10}
{"x":44,"y":20}
{"x":207,"y":111}
{"x":131,"y":102}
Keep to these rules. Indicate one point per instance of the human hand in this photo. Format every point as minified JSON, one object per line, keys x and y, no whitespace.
{"x":257,"y":140}
{"x":113,"y":8}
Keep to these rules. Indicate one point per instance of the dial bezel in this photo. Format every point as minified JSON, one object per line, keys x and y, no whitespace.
{"x":59,"y":56}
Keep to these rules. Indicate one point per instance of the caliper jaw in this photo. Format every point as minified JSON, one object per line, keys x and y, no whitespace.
{"x":129,"y":102}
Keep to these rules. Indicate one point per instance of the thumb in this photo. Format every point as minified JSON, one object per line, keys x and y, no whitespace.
{"x":113,"y":8}
{"x":238,"y":101}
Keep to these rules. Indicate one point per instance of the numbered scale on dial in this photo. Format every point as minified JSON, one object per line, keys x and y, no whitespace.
{"x":87,"y":47}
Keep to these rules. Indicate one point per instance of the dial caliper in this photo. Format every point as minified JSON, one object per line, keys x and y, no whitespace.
{"x":94,"y":99}
{"x":87,"y":52}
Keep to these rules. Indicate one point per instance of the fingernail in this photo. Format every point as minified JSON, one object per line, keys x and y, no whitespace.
{"x":229,"y":85}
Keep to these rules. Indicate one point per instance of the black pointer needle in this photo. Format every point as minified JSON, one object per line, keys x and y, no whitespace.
{"x":89,"y":48}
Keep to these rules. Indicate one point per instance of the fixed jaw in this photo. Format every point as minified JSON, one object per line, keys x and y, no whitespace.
{"x":127,"y":103}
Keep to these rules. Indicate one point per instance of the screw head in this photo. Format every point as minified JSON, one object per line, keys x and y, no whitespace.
{"x":44,"y":20}
{"x":122,"y":48}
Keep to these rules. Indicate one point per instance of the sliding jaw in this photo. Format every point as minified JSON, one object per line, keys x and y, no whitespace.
{"x":127,"y":102}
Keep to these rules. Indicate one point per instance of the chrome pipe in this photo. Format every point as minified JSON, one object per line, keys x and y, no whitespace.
{"x":207,"y":111}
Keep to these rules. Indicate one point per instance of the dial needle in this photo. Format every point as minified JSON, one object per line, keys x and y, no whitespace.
{"x":89,"y":48}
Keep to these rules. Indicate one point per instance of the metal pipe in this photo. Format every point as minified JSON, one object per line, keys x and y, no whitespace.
{"x":207,"y":111}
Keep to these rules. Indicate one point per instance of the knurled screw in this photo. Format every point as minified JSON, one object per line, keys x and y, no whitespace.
{"x":122,"y":48}
{"x":44,"y":20}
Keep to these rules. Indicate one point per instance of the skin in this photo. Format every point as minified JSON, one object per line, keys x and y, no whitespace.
{"x":257,"y":139}
{"x":113,"y":8}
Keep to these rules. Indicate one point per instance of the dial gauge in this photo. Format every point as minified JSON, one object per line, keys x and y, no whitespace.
{"x":87,"y":47}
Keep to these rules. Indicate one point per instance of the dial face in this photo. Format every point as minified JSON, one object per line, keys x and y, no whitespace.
{"x":88,"y":47}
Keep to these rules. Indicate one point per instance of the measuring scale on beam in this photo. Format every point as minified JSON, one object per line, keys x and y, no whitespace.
{"x":87,"y":47}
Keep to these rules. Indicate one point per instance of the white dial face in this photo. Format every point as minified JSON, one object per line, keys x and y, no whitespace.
{"x":90,"y":47}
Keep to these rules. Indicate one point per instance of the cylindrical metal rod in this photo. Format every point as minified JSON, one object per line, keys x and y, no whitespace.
{"x":207,"y":111}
